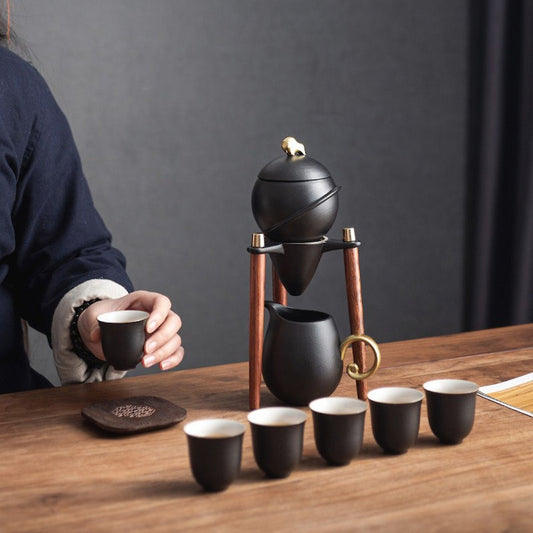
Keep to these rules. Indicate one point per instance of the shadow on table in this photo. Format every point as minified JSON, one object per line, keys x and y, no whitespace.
{"x":230,"y":400}
{"x":159,"y":489}
{"x":101,"y":433}
{"x":428,"y":440}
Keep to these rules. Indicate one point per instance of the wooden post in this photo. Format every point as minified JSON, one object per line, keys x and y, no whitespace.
{"x":355,"y":306}
{"x":279,"y":292}
{"x":257,"y":312}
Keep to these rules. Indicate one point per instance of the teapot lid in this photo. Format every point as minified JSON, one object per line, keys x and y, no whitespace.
{"x":295,"y":166}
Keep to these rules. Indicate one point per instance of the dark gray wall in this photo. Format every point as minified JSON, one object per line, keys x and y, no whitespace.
{"x":176,"y":105}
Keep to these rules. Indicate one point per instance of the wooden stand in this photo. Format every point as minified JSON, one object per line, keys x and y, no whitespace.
{"x":355,"y":306}
{"x":257,"y":314}
{"x":257,"y":317}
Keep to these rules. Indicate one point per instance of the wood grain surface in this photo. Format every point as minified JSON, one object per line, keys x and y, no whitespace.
{"x":256,"y":327}
{"x":355,"y":311}
{"x":59,"y":473}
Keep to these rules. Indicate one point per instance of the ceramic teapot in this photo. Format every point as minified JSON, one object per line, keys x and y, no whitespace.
{"x":303,"y":356}
{"x":294,"y":198}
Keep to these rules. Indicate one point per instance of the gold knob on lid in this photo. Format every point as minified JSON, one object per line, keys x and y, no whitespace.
{"x":292,"y":147}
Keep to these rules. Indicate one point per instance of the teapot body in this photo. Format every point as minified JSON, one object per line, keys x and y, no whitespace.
{"x":294,"y":199}
{"x":301,"y":356}
{"x":295,"y":211}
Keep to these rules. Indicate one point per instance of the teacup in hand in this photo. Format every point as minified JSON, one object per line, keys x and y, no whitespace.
{"x":451,"y":408}
{"x":123,"y":335}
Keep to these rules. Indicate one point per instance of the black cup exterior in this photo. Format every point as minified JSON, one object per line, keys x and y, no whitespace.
{"x":451,"y":416}
{"x":123,"y":343}
{"x":215,"y":462}
{"x":395,"y":426}
{"x":277,"y":449}
{"x":338,"y":437}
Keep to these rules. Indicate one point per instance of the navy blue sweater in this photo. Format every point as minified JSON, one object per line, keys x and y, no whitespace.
{"x":51,"y":236}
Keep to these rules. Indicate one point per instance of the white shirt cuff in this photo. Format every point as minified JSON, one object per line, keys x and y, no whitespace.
{"x":70,"y":367}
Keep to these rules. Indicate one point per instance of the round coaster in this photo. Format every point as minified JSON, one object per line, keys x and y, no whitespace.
{"x":134,"y":415}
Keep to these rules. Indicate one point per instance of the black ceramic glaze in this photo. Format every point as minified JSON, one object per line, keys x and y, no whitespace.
{"x":301,"y":356}
{"x":451,"y":416}
{"x":296,"y":262}
{"x":295,"y":199}
{"x":292,"y":168}
{"x":338,"y":437}
{"x":297,"y":265}
{"x":277,"y":449}
{"x":123,"y":342}
{"x":215,"y":462}
{"x":395,"y":426}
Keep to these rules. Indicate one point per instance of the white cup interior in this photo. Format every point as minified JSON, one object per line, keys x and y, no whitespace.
{"x":395,"y":395}
{"x":451,"y":386}
{"x":123,"y":317}
{"x":277,"y":416}
{"x":214,"y":428}
{"x":338,"y":405}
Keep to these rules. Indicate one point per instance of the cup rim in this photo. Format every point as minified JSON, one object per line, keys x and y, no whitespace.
{"x":395,"y":395}
{"x":277,"y":416}
{"x":125,"y":316}
{"x":451,"y":386}
{"x":214,"y":428}
{"x":338,"y":405}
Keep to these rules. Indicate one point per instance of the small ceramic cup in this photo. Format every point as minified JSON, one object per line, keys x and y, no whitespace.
{"x":215,"y":451}
{"x":338,"y":427}
{"x":123,"y":337}
{"x":395,"y":414}
{"x":277,"y":438}
{"x":451,"y":408}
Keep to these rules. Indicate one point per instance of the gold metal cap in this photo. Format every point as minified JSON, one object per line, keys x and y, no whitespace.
{"x":258,"y":240}
{"x":348,"y":235}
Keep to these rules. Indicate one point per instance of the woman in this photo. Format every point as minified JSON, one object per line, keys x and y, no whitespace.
{"x":58,"y":270}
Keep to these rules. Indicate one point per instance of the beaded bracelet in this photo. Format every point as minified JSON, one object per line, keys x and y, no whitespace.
{"x":78,"y":347}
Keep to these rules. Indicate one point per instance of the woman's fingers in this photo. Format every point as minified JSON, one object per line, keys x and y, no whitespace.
{"x":163,"y":344}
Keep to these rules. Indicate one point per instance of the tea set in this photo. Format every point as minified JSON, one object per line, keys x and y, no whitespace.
{"x":215,"y":445}
{"x":301,"y":356}
{"x":295,"y":204}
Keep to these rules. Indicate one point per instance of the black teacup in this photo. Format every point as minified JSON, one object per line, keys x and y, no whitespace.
{"x":277,"y":437}
{"x":123,"y":336}
{"x":338,"y":427}
{"x":451,"y":408}
{"x":395,"y":414}
{"x":215,"y":451}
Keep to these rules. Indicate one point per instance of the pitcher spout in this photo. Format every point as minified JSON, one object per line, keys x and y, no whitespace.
{"x":273,"y":308}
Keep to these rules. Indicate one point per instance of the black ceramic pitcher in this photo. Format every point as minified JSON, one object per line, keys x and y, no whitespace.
{"x":303,"y":356}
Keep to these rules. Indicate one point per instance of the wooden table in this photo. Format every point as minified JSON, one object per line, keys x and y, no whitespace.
{"x":58,"y":473}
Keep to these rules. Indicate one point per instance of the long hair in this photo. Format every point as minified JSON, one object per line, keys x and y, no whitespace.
{"x":8,"y":38}
{"x":5,"y":23}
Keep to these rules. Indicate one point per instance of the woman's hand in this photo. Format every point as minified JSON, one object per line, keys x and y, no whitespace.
{"x":163,"y":344}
